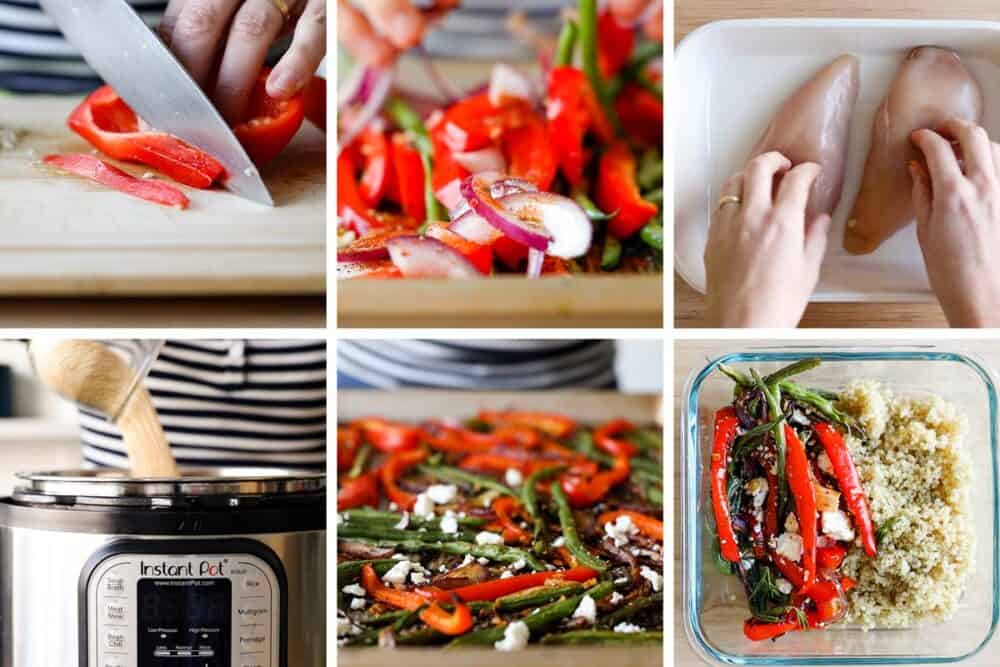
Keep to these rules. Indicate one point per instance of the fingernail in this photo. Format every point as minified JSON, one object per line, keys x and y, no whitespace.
{"x":282,"y":83}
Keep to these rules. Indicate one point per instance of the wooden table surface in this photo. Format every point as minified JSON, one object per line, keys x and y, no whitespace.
{"x":689,"y":355}
{"x":689,"y":305}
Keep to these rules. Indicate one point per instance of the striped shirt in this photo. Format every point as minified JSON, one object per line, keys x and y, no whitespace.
{"x":476,"y":364}
{"x":230,"y":403}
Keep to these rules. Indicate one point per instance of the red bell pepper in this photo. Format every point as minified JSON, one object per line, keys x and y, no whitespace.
{"x":314,"y":101}
{"x":348,"y":441}
{"x":110,"y":125}
{"x":572,"y":108}
{"x":530,"y":155}
{"x":606,"y":437}
{"x":849,"y":482}
{"x":647,"y":525}
{"x":455,"y":623}
{"x":504,"y":507}
{"x":481,"y":256}
{"x":491,"y":590}
{"x":101,"y":172}
{"x":726,"y":424}
{"x":387,"y":436}
{"x":380,"y":269}
{"x":617,"y":190}
{"x":408,"y":173}
{"x":397,"y":464}
{"x":494,"y":463}
{"x":446,"y":173}
{"x":351,"y":208}
{"x":789,"y":570}
{"x":270,"y":123}
{"x":374,"y":242}
{"x":830,"y":557}
{"x":446,"y":438}
{"x":551,"y":424}
{"x":614,"y":44}
{"x":511,"y":253}
{"x":583,"y":493}
{"x":555,"y":266}
{"x":756,"y":631}
{"x":377,"y":165}
{"x":801,"y":487}
{"x":641,"y":114}
{"x":362,"y":491}
{"x":475,"y":122}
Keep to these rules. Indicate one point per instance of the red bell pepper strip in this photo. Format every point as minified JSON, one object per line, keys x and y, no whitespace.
{"x":647,"y":525}
{"x":503,"y":507}
{"x":605,"y":437}
{"x":572,"y":108}
{"x":397,"y":464}
{"x":377,"y":165}
{"x":614,"y":44}
{"x":726,"y":424}
{"x":387,"y":436}
{"x":617,"y":190}
{"x":446,"y":172}
{"x":584,"y":493}
{"x":801,"y":487}
{"x":641,"y":114}
{"x":789,"y":570}
{"x":475,"y":122}
{"x":270,"y":123}
{"x":553,"y":425}
{"x":491,"y":590}
{"x":494,"y":463}
{"x":373,"y":244}
{"x":511,"y":253}
{"x":408,"y":172}
{"x":455,"y":623}
{"x":362,"y":491}
{"x":530,"y":155}
{"x":380,"y":269}
{"x":830,"y":557}
{"x":101,"y":172}
{"x":849,"y":482}
{"x":756,"y":631}
{"x":351,"y":208}
{"x":446,"y":438}
{"x":348,"y":441}
{"x":481,"y":256}
{"x":110,"y":125}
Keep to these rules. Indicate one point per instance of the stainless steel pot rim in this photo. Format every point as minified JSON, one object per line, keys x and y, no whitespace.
{"x":114,"y":483}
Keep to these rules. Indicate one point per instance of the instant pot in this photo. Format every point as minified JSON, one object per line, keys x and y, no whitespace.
{"x":217,"y":568}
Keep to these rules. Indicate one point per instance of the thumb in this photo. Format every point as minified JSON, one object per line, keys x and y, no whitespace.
{"x":921,"y":191}
{"x":816,"y":235}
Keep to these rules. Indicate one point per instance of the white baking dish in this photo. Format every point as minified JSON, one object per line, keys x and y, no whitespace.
{"x":731,"y":76}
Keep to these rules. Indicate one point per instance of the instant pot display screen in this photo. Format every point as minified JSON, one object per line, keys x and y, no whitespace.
{"x":185,"y":622}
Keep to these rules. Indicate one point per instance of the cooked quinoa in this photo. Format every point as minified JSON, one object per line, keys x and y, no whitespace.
{"x":913,"y":466}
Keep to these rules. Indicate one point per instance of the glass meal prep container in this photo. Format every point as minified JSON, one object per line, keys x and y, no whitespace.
{"x":715,"y":604}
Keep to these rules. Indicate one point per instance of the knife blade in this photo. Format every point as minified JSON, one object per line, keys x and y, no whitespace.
{"x":129,"y":56}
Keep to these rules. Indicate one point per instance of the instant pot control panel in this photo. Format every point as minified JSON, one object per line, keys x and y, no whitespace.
{"x":149,"y":608}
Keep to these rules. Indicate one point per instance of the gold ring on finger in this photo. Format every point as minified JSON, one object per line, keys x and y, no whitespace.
{"x":729,"y":199}
{"x":282,"y":6}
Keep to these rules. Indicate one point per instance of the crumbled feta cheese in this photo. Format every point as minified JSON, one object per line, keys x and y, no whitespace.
{"x":635,"y":551}
{"x":616,"y":597}
{"x":621,"y":530}
{"x":559,"y":542}
{"x":345,"y":627}
{"x":789,"y":545}
{"x":418,"y":578}
{"x":358,"y":603}
{"x":837,"y":525}
{"x":824,"y":463}
{"x":654,"y":577}
{"x":791,"y":523}
{"x":423,"y":506}
{"x":398,"y":573}
{"x":627,"y":627}
{"x":621,"y":580}
{"x":518,"y":564}
{"x":515,"y":637}
{"x":483,"y":560}
{"x":399,"y":556}
{"x":783,"y":585}
{"x":506,"y":574}
{"x":757,"y":488}
{"x":587,"y":609}
{"x":442,"y":568}
{"x":467,"y":560}
{"x":441,"y":493}
{"x":404,"y":522}
{"x":341,"y":519}
{"x":355,"y":590}
{"x":449,"y":524}
{"x":485,"y":537}
{"x":513,"y":477}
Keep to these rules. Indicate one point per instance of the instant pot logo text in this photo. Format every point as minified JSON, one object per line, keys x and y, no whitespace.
{"x":206,"y":568}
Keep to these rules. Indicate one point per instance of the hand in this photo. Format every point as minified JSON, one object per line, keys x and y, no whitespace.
{"x":223,"y":43}
{"x":763,"y":257}
{"x":958,"y":221}
{"x":378,"y":32}
{"x":649,"y":12}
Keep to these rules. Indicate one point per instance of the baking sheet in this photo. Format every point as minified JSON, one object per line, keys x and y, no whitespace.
{"x":731,"y":76}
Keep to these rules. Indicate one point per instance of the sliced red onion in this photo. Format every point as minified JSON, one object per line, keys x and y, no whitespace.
{"x":351,"y":90}
{"x":485,"y":159}
{"x":380,"y":85}
{"x":476,"y":191}
{"x":474,"y":228}
{"x":424,"y":257}
{"x":500,"y":186}
{"x":535,"y":260}
{"x":567,"y":226}
{"x":506,"y":82}
{"x":451,"y":195}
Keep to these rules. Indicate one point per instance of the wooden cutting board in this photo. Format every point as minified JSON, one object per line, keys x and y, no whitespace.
{"x":64,"y":235}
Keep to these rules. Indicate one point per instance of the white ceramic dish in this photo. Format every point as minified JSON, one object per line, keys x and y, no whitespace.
{"x":731,"y":76}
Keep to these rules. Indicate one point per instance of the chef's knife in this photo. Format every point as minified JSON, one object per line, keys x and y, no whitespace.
{"x":129,"y":56}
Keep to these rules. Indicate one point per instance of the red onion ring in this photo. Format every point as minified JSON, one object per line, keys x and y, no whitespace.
{"x":477,"y":192}
{"x":500,"y":186}
{"x":485,"y":159}
{"x":566,"y":223}
{"x":472,"y":227}
{"x":425,"y":257}
{"x":380,"y":86}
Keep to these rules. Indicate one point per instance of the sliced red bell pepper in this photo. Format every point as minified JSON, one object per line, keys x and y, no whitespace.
{"x":454,"y":623}
{"x":362,"y":491}
{"x":377,"y":165}
{"x":617,"y":190}
{"x":446,"y":438}
{"x":530,"y":155}
{"x":582,"y":492}
{"x":397,"y":464}
{"x":387,"y":436}
{"x":641,"y":114}
{"x":572,"y":109}
{"x":555,"y":266}
{"x":408,"y":173}
{"x":372,"y":243}
{"x":849,"y":482}
{"x":445,"y":172}
{"x":606,"y":437}
{"x":647,"y":525}
{"x":512,"y":254}
{"x":726,"y":424}
{"x":556,"y":426}
{"x":101,"y":172}
{"x":348,"y":441}
{"x":110,"y":125}
{"x":504,"y":507}
{"x":351,"y":209}
{"x":491,"y":590}
{"x":475,"y":122}
{"x":494,"y":463}
{"x":830,"y":557}
{"x":270,"y":123}
{"x":481,"y":256}
{"x":800,"y":484}
{"x":614,"y":44}
{"x":757,"y":631}
{"x":379,"y":269}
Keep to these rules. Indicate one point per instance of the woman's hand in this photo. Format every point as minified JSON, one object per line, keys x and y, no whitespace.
{"x":763,"y":256}
{"x":223,"y":43}
{"x":377,"y":31}
{"x":649,"y":12}
{"x":958,"y":221}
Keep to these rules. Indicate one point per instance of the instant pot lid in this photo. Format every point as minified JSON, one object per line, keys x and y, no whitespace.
{"x":112,"y":484}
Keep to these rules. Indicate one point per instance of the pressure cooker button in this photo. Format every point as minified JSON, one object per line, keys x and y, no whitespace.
{"x":114,"y":611}
{"x":111,"y":662}
{"x":253,"y":585}
{"x":251,"y":640}
{"x":250,"y":662}
{"x":114,"y":585}
{"x":114,"y":640}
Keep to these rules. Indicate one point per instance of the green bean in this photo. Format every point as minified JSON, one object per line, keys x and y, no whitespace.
{"x":823,"y":405}
{"x":570,"y":534}
{"x":612,"y":253}
{"x":459,"y":476}
{"x":409,"y":120}
{"x":494,"y":552}
{"x":587,"y":10}
{"x":567,"y":44}
{"x":800,"y":366}
{"x":647,"y":84}
{"x":384,"y":619}
{"x":629,"y":610}
{"x":409,"y":618}
{"x":654,"y":494}
{"x":349,"y":571}
{"x":654,"y":196}
{"x":652,"y":234}
{"x":589,"y":637}
{"x":590,"y":208}
{"x":529,"y":498}
{"x":367,"y":638}
{"x":535,"y":597}
{"x":368,"y":514}
{"x":649,"y":175}
{"x":360,"y":459}
{"x":647,"y":438}
{"x":382,"y":532}
{"x":643,"y":54}
{"x":420,"y":637}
